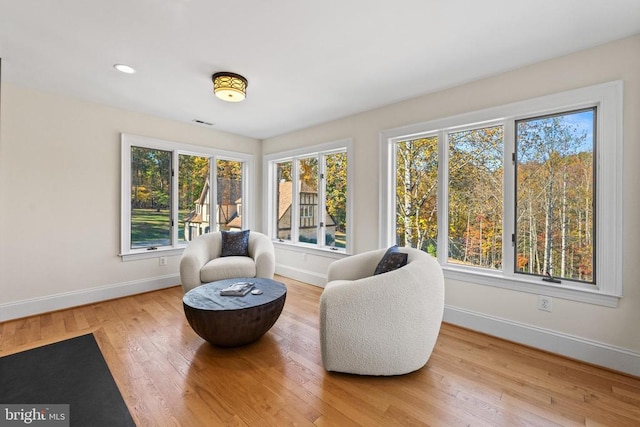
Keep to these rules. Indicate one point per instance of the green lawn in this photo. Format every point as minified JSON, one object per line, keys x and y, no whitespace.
{"x":151,"y":227}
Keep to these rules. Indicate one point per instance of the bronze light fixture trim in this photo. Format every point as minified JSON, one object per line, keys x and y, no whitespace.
{"x":229,"y":87}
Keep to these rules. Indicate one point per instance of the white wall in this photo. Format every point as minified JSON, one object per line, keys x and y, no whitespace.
{"x":606,"y":336}
{"x":60,"y":200}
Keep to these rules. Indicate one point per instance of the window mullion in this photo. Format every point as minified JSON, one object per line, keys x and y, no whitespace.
{"x":508,"y":191}
{"x":213,"y":193}
{"x":272,"y":199}
{"x":443,"y":198}
{"x":125,"y":198}
{"x":322,"y":181}
{"x":387,"y":235}
{"x":246,"y":193}
{"x":174,"y":197}
{"x":295,"y":200}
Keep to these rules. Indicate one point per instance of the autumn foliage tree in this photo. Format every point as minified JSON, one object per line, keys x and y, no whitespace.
{"x":336,"y":189}
{"x":416,"y":193}
{"x":192,"y":176}
{"x":151,"y":179}
{"x":475,"y":197}
{"x":554,"y":196}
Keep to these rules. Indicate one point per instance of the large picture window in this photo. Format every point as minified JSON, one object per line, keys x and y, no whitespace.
{"x":307,"y":197}
{"x":524,"y":196}
{"x":168,"y":198}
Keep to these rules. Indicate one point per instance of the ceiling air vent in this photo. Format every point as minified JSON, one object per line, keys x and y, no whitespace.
{"x":202,"y":122}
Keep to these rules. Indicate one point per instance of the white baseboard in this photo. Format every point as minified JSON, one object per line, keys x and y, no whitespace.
{"x":301,"y":275}
{"x":593,"y":352}
{"x":30,"y":307}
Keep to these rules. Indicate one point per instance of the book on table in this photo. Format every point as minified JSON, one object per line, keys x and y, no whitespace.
{"x":237,"y":289}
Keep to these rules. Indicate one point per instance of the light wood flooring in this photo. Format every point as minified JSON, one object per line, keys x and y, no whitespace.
{"x":170,"y":376}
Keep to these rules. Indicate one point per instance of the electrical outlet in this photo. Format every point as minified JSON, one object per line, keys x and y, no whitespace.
{"x":545,"y":303}
{"x":163,"y":260}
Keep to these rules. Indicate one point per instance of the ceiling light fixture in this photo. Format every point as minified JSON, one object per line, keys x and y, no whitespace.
{"x":124,"y":68}
{"x":229,"y":87}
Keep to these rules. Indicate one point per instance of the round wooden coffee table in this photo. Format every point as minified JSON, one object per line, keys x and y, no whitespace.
{"x":230,"y":321}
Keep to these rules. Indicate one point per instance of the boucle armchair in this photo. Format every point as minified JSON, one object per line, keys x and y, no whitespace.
{"x":385,"y":324}
{"x":202,"y":262}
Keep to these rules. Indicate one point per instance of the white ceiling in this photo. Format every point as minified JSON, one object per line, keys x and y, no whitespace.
{"x":307,"y":62}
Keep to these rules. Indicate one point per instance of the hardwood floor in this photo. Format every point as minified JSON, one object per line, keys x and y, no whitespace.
{"x":170,"y":376}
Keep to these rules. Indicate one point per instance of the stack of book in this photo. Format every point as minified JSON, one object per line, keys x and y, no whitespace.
{"x":237,"y":289}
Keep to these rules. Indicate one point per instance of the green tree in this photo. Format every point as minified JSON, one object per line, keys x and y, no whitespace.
{"x":192,"y":177}
{"x":150,"y":169}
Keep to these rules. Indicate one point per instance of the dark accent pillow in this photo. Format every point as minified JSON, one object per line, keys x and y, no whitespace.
{"x":235,"y":243}
{"x":392,"y":260}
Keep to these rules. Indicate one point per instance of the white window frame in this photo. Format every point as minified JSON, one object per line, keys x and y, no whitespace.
{"x":176,"y":148}
{"x":270,"y":191}
{"x":607,"y":97}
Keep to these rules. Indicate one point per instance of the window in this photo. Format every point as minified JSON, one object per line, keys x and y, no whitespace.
{"x":307,"y":196}
{"x":193,"y":196}
{"x":308,"y":179}
{"x":167,"y":194}
{"x":229,"y":200}
{"x":284,"y":199}
{"x":150,"y":198}
{"x":335,"y":199}
{"x":416,"y":193}
{"x":475,"y":196}
{"x":554,"y":232}
{"x":513,"y":196}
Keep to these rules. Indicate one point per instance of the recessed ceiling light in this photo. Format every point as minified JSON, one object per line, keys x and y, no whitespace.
{"x":124,"y":68}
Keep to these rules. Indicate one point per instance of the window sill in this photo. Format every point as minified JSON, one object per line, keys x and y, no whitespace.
{"x":310,"y":249}
{"x":144,"y":254}
{"x":567,"y":290}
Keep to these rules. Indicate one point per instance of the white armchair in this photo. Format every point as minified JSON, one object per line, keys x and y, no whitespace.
{"x":201,"y":261}
{"x":385,"y":324}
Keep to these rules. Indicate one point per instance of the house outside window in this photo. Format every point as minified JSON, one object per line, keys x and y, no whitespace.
{"x":308,"y":180}
{"x":166,"y":194}
{"x":227,"y":214}
{"x":524,"y":196}
{"x":193,"y":196}
{"x":307,"y":196}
